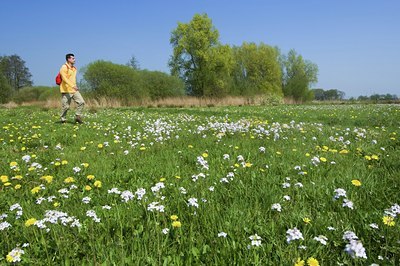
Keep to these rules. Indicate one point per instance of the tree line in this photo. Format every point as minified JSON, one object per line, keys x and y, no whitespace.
{"x":210,"y":68}
{"x":200,"y":65}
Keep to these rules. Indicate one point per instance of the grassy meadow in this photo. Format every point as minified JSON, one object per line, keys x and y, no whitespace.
{"x":270,"y":185}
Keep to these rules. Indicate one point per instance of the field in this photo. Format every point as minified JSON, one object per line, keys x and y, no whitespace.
{"x":271,"y":185}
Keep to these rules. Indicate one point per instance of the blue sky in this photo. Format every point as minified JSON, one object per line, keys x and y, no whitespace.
{"x":354,"y":43}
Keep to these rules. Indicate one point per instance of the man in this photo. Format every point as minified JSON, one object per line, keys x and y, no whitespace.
{"x":69,"y":90}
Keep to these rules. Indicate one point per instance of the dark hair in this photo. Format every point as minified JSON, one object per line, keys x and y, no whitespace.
{"x":68,"y":56}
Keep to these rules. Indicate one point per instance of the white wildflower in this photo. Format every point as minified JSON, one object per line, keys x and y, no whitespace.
{"x":293,"y":234}
{"x":222,"y":234}
{"x":321,"y":238}
{"x":255,"y":240}
{"x":277,"y":207}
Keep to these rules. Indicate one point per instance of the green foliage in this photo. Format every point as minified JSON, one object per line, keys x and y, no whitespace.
{"x":113,"y":80}
{"x":5,"y":89}
{"x":199,"y":59}
{"x":379,"y":98}
{"x":328,"y":95}
{"x":161,"y":85}
{"x":14,"y":70}
{"x":298,"y":76}
{"x":128,"y":84}
{"x":36,"y":93}
{"x":257,"y":70}
{"x":216,"y":77}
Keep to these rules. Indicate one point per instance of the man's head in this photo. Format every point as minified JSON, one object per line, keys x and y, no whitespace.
{"x":70,"y":58}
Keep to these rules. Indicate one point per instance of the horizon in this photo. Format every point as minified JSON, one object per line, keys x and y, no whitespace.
{"x":353,"y":43}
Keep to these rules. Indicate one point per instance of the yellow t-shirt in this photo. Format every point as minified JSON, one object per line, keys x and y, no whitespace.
{"x":68,"y":75}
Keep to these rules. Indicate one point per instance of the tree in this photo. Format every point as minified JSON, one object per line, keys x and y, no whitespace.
{"x":16,"y":73}
{"x":133,"y":63}
{"x":257,"y":70}
{"x":199,"y":59}
{"x":319,"y":94}
{"x":298,"y":76}
{"x":334,"y":94}
{"x":113,"y":80}
{"x":161,"y":85}
{"x":5,"y":89}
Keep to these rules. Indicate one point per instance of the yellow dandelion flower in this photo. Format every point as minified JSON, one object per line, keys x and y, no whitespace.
{"x":307,"y":220}
{"x":343,"y":152}
{"x":374,"y":157}
{"x":176,"y":224}
{"x":17,"y":186}
{"x":31,"y":169}
{"x":278,"y":152}
{"x":322,"y":159}
{"x":248,"y":164}
{"x":205,"y":155}
{"x":325,"y":148}
{"x":18,"y":177}
{"x":69,"y":180}
{"x":236,"y":165}
{"x":299,"y":262}
{"x":88,"y":188}
{"x":64,"y":162}
{"x":142,"y":148}
{"x":83,"y":148}
{"x":307,"y":154}
{"x":47,"y":178}
{"x":86,"y":165}
{"x":190,"y":146}
{"x":97,"y":184}
{"x":312,"y":262}
{"x":57,"y":164}
{"x":236,"y":147}
{"x":35,"y":190}
{"x":23,"y":149}
{"x":9,"y":258}
{"x":367,"y":157}
{"x":356,"y":182}
{"x":30,"y":222}
{"x":90,"y":177}
{"x":174,"y":217}
{"x":100,"y":146}
{"x":177,"y":177}
{"x":162,"y":179}
{"x":388,"y":220}
{"x":56,"y":204}
{"x":4,"y":178}
{"x":7,"y":184}
{"x":12,"y":164}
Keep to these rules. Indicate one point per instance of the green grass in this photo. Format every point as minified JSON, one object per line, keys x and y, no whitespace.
{"x":250,"y":152}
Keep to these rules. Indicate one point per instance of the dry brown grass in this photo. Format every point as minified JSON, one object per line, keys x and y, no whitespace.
{"x":184,"y":101}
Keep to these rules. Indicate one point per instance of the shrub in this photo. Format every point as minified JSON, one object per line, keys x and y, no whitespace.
{"x":160,"y":85}
{"x":37,"y":93}
{"x":116,"y":81}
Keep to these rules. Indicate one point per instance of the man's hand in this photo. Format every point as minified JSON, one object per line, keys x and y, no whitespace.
{"x":76,"y":88}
